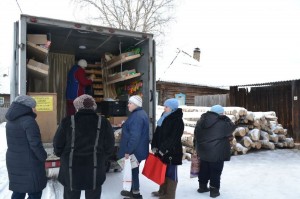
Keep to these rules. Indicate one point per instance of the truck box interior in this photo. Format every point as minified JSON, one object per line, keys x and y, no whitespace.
{"x":120,"y":60}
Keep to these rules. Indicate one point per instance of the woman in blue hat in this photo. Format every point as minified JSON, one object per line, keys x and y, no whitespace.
{"x":166,"y":144}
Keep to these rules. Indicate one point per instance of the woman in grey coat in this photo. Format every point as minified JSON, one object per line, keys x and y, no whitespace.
{"x":25,"y":156}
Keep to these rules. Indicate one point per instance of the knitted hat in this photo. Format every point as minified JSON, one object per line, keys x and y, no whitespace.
{"x":82,"y":63}
{"x":172,"y":103}
{"x":85,"y":102}
{"x":26,"y":100}
{"x":137,"y":100}
{"x":217,"y":109}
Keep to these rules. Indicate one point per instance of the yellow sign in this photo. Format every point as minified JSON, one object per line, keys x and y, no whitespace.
{"x":44,"y":103}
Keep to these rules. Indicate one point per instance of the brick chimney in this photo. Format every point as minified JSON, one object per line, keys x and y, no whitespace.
{"x":196,"y":54}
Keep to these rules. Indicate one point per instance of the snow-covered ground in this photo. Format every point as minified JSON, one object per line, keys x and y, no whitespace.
{"x":263,"y":174}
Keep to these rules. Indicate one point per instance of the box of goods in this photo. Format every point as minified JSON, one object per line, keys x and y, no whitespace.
{"x":113,"y":108}
{"x":116,"y":121}
{"x":37,"y":68}
{"x":46,"y":110}
{"x":39,"y":39}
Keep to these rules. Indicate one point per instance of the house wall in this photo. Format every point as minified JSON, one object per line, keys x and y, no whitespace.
{"x":276,"y":97}
{"x":168,"y":90}
{"x":210,"y":100}
{"x":6,"y":100}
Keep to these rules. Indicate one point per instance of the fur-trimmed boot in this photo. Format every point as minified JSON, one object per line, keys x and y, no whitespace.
{"x":161,"y":191}
{"x":203,"y":188}
{"x":170,"y":190}
{"x":214,"y":192}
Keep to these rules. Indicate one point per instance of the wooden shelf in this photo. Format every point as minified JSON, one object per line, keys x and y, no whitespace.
{"x":36,"y":51}
{"x":94,"y":65}
{"x":98,"y":92}
{"x":97,"y":80}
{"x":124,"y":78}
{"x":92,"y":71}
{"x":121,"y":59}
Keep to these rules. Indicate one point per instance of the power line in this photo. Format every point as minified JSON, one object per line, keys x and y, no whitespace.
{"x":19,"y":6}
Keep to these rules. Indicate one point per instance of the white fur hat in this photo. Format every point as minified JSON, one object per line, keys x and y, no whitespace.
{"x":82,"y":63}
{"x":137,"y":100}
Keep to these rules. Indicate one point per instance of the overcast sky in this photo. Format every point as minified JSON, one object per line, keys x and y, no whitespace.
{"x":253,"y":37}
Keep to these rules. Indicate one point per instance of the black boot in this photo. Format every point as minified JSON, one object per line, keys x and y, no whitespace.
{"x":214,"y":192}
{"x":203,"y":188}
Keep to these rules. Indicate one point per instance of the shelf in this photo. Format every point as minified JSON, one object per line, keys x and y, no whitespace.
{"x":98,"y":92}
{"x":120,"y":59}
{"x":96,"y":72}
{"x":36,"y":51}
{"x":97,"y":80}
{"x":124,"y":78}
{"x":94,"y":65}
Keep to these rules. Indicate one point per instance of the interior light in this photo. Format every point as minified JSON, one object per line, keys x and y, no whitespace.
{"x":82,"y":47}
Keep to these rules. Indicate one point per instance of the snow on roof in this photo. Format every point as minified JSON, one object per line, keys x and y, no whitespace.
{"x":185,"y":69}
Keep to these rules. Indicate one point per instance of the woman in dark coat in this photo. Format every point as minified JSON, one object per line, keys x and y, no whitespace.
{"x":83,"y":153}
{"x":166,"y":144}
{"x":25,"y":156}
{"x":213,"y":133}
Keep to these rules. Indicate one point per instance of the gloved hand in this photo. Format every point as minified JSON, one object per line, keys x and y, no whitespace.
{"x":154,"y":150}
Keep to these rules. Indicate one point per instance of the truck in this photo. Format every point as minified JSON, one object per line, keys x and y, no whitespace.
{"x":122,"y":62}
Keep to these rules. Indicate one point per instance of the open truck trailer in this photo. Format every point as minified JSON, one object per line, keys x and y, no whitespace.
{"x":44,"y":51}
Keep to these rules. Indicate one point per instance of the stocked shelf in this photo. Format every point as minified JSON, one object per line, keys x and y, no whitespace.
{"x":93,"y":71}
{"x":127,"y":77}
{"x":120,"y":59}
{"x":94,"y":65}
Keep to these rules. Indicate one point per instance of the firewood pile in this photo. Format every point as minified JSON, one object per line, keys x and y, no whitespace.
{"x":255,"y":130}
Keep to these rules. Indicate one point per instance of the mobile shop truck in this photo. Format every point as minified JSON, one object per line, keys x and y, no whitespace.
{"x":122,"y":62}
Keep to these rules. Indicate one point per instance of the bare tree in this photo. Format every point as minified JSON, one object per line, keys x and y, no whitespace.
{"x":150,"y":16}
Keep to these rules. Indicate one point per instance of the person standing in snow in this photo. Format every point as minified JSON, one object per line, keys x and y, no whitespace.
{"x":76,"y":84}
{"x":167,"y":145}
{"x":83,"y":142}
{"x":213,"y":133}
{"x":135,"y":140}
{"x":25,"y":156}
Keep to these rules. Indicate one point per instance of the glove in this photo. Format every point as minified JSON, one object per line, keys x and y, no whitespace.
{"x":154,"y":150}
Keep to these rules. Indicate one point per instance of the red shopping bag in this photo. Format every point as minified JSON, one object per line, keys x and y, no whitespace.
{"x":155,"y":169}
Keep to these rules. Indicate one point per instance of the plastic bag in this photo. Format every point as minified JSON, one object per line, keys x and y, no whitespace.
{"x":195,"y":166}
{"x":127,"y":175}
{"x":155,"y":169}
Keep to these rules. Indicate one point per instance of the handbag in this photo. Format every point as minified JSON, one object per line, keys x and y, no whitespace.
{"x":155,"y":169}
{"x":127,"y":175}
{"x":195,"y":165}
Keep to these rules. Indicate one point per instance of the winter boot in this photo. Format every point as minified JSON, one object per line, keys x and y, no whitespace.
{"x":214,"y":192}
{"x":126,"y":193}
{"x":170,"y":190}
{"x":203,"y":188}
{"x":161,"y":191}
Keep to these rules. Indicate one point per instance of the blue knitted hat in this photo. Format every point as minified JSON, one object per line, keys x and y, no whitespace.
{"x":217,"y":109}
{"x":172,"y":103}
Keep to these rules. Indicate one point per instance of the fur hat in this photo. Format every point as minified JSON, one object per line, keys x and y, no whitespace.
{"x":217,"y":109}
{"x":137,"y":100}
{"x":82,"y":63}
{"x":26,"y":100}
{"x":85,"y":102}
{"x":172,"y":103}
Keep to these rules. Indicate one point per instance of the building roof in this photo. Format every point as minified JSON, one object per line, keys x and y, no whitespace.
{"x":184,"y":69}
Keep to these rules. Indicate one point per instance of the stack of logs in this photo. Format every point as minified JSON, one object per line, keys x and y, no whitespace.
{"x":255,"y":130}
